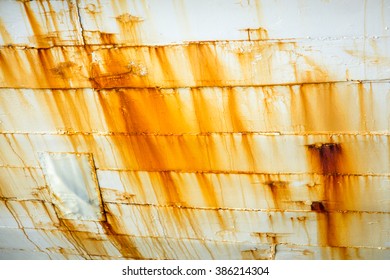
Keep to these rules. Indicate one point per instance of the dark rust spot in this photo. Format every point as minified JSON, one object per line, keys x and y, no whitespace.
{"x":318,"y":206}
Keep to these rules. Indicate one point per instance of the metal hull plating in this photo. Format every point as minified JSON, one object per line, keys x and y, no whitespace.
{"x":195,"y":129}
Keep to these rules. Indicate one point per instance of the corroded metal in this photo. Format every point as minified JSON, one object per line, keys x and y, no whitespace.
{"x":261,"y":135}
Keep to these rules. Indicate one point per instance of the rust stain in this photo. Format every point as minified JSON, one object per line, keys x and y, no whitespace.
{"x":124,"y":244}
{"x":46,"y":60}
{"x":115,"y":69}
{"x":281,"y":194}
{"x":171,"y":189}
{"x":209,"y":64}
{"x":122,"y":112}
{"x":10,"y":62}
{"x":65,"y":69}
{"x":33,"y":20}
{"x":5,"y":35}
{"x":256,"y":254}
{"x":164,"y":62}
{"x":87,"y":243}
{"x":129,"y":27}
{"x":70,"y":107}
{"x":204,"y":63}
{"x":42,"y":35}
{"x":208,"y":190}
{"x":256,"y":33}
{"x":329,"y":157}
{"x":325,"y":96}
{"x":107,"y":38}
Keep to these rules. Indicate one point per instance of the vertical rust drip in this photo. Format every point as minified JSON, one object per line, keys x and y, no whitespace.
{"x":7,"y":39}
{"x":329,"y":158}
{"x":107,"y":38}
{"x":167,"y":69}
{"x":171,"y":190}
{"x":208,"y":190}
{"x":234,"y":101}
{"x":366,"y":108}
{"x":46,"y":59}
{"x":280,"y":192}
{"x":10,"y":63}
{"x":34,"y":22}
{"x":204,"y":64}
{"x":124,"y":244}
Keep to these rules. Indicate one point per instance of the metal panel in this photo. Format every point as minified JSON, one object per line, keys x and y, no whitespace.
{"x":287,"y":252}
{"x":32,"y":214}
{"x":40,"y":23}
{"x":73,"y":185}
{"x":22,"y":183}
{"x":246,"y":191}
{"x":303,"y":228}
{"x":309,"y":108}
{"x":248,"y":153}
{"x":232,"y":63}
{"x":165,"y":22}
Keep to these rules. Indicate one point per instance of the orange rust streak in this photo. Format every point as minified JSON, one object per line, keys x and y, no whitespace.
{"x":5,"y":35}
{"x":125,"y":245}
{"x":34,"y":22}
{"x":281,"y":194}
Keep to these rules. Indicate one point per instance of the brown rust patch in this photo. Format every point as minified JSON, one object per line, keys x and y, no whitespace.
{"x":317,"y":206}
{"x":329,"y":159}
{"x":328,"y":155}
